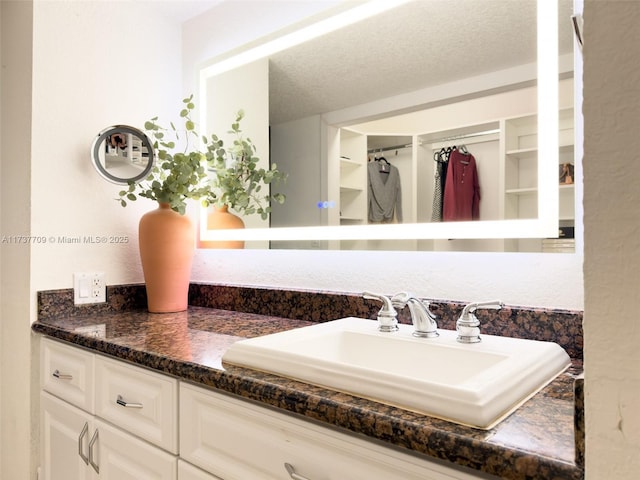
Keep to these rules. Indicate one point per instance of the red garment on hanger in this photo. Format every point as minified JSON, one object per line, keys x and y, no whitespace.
{"x":462,"y":189}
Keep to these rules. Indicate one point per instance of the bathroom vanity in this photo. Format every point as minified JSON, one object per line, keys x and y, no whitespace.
{"x":128,"y":394}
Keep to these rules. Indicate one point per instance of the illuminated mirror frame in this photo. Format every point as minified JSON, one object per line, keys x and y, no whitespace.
{"x":546,"y":225}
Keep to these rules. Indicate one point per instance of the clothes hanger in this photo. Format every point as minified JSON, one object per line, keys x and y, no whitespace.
{"x":463,"y":150}
{"x":384,"y":168}
{"x":441,"y":156}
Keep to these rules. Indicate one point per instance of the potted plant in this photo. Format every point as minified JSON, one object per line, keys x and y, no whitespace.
{"x":238,"y":184}
{"x":166,"y":235}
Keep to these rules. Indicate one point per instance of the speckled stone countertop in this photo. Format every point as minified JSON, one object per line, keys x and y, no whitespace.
{"x":538,"y":441}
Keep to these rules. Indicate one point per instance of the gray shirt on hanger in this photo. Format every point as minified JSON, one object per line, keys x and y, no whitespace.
{"x":385,"y":193}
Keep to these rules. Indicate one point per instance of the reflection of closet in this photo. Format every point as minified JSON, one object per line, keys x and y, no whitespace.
{"x":501,"y":134}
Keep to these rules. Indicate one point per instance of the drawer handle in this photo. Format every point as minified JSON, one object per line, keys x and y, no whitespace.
{"x":94,"y":439}
{"x":124,"y":403}
{"x":84,"y":431}
{"x":292,"y":472}
{"x":62,"y":376}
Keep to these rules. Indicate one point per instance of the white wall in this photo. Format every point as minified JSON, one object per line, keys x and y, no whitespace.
{"x":612,"y":238}
{"x":95,"y":64}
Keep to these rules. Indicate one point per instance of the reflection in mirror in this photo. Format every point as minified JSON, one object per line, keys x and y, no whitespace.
{"x":325,"y":108}
{"x":122,"y":154}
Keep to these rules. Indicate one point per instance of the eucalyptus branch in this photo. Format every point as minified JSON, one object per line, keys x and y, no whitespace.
{"x":178,"y":177}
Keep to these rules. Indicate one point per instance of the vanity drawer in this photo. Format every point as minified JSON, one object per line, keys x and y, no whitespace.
{"x":139,"y":401}
{"x":67,"y":373}
{"x":236,"y":440}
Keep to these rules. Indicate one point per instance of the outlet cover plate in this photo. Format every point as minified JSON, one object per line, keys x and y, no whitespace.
{"x":89,"y":288}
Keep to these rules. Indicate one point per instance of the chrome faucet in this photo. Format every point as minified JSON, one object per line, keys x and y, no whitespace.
{"x":468,"y":325}
{"x":424,"y":322}
{"x":387,"y":315}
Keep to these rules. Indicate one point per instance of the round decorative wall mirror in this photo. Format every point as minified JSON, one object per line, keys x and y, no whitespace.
{"x":122,"y":154}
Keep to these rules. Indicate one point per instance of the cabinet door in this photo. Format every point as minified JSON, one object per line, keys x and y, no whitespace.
{"x":120,"y":456}
{"x":64,"y":436}
{"x":186,"y":471}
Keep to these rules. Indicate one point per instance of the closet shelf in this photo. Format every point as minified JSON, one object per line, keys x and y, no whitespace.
{"x":532,"y":190}
{"x":348,"y":189}
{"x":347,"y":162}
{"x":521,"y":191}
{"x":527,"y":153}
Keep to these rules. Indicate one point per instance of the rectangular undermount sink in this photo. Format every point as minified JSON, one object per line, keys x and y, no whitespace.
{"x":472,"y":384}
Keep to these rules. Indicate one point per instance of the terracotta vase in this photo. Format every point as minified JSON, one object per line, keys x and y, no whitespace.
{"x":166,"y":241}
{"x":222,"y":218}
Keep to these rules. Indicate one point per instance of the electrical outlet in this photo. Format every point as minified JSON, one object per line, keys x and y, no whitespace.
{"x":89,"y":288}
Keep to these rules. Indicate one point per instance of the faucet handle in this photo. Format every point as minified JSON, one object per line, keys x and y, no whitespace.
{"x":468,"y":325}
{"x":387,"y":315}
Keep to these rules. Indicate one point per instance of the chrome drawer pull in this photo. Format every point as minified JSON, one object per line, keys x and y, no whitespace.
{"x":94,"y":439}
{"x":62,"y":376}
{"x":124,"y":403}
{"x":292,"y":472}
{"x":84,"y":431}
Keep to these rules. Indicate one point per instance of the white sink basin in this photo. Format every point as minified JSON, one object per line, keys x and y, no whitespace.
{"x":472,"y":384}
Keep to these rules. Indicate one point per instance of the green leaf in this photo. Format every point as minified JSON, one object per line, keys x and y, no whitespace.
{"x":231,"y":175}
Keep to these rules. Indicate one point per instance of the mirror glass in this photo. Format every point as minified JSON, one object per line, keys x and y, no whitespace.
{"x":122,"y":154}
{"x":369,"y":79}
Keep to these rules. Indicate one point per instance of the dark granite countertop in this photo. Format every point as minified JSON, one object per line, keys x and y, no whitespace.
{"x":535,"y":442}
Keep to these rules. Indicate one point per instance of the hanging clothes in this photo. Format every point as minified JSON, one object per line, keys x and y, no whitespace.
{"x":441,"y":158}
{"x":462,"y":190}
{"x":384,"y":192}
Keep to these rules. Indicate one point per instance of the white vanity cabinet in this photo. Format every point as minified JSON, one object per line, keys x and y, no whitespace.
{"x":105,"y":419}
{"x":238,"y":440}
{"x":87,"y":434}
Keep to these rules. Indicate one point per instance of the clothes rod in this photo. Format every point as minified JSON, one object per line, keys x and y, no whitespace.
{"x":466,"y":135}
{"x":386,"y":149}
{"x":438,"y":140}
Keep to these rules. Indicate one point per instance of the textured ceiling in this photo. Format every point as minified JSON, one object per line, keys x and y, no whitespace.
{"x":417,"y":45}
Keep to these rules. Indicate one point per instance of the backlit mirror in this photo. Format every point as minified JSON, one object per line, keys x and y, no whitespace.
{"x":495,"y":50}
{"x":122,"y":154}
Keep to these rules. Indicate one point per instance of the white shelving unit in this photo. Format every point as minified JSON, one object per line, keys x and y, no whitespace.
{"x":353,"y":178}
{"x":506,"y":152}
{"x":521,"y":168}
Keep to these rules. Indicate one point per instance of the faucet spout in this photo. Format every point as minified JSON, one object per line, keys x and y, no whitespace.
{"x":424,"y":322}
